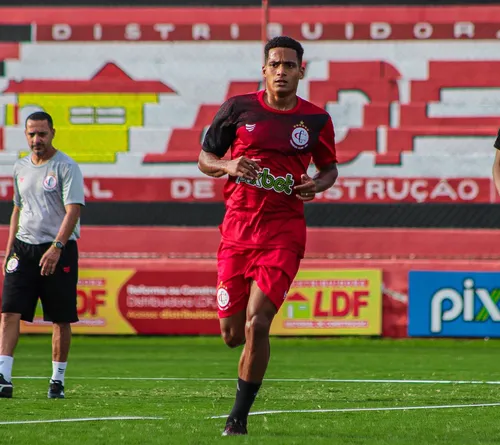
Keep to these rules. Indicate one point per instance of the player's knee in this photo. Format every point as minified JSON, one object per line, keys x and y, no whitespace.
{"x":258,"y":325}
{"x":233,"y":338}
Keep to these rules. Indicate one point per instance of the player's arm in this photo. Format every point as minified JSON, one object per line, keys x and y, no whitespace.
{"x":496,"y":164}
{"x":13,"y":227}
{"x":69,"y":222}
{"x":326,"y":177}
{"x":14,"y":221}
{"x":73,"y":199}
{"x":325,"y":158}
{"x":218,"y":139}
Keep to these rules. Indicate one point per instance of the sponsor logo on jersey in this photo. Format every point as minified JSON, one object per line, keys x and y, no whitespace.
{"x":50,"y":182}
{"x":300,"y":136}
{"x":266,"y":180}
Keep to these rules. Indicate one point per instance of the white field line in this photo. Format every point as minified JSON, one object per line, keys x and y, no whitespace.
{"x":216,"y":379}
{"x":357,"y":410}
{"x":83,"y":419}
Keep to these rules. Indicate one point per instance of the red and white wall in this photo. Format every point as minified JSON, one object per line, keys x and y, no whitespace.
{"x":413,"y":93}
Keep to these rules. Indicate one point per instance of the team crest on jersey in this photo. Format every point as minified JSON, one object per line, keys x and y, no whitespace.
{"x":12,"y":264}
{"x":300,"y":136}
{"x":222,"y":297}
{"x":50,"y":182}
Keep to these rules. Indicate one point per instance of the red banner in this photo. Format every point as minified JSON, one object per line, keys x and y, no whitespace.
{"x":130,"y":301}
{"x":243,"y":24}
{"x":158,"y":32}
{"x":358,"y":190}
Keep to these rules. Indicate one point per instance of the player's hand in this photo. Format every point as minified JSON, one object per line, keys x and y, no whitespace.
{"x":307,"y":189}
{"x":4,"y":263}
{"x":243,"y":167}
{"x":49,"y":260}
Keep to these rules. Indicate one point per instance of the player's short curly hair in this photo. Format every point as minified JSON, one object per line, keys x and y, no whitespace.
{"x":40,"y":116}
{"x":284,"y":42}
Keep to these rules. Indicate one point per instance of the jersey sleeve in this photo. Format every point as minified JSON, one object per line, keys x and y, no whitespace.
{"x":72,"y":185}
{"x":222,"y":133}
{"x":17,"y":194}
{"x":497,"y":142}
{"x":324,"y":152}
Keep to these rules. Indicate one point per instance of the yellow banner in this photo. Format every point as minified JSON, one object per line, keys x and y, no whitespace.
{"x":97,"y":304}
{"x":332,"y":302}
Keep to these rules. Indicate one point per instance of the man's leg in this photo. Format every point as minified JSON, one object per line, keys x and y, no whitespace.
{"x":19,"y":299}
{"x":254,"y":358}
{"x":61,"y":342}
{"x":59,"y":301}
{"x":9,"y":335}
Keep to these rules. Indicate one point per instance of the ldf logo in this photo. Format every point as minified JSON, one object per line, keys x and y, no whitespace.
{"x":454,"y":304}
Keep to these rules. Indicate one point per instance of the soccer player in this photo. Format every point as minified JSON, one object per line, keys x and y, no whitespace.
{"x":42,"y":255}
{"x":273,"y":135}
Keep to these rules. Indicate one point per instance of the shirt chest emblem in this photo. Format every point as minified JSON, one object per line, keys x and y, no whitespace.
{"x":300,"y":136}
{"x":50,"y":182}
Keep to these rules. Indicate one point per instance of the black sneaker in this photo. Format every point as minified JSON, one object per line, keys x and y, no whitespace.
{"x":235,"y":427}
{"x":56,"y":390}
{"x":6,"y":388}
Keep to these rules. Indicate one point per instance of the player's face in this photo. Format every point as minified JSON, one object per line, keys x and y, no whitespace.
{"x":282,"y":71}
{"x":39,"y":136}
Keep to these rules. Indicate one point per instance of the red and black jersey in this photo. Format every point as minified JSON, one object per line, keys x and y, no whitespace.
{"x":266,"y":213}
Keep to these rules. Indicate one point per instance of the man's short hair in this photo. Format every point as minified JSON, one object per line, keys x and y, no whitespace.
{"x":284,"y":42}
{"x":40,"y":116}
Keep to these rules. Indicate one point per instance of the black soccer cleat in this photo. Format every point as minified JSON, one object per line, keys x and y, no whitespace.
{"x":6,"y":388}
{"x":56,"y":390}
{"x":235,"y":427}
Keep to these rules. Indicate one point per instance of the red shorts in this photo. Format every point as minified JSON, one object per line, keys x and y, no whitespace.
{"x":272,"y":270}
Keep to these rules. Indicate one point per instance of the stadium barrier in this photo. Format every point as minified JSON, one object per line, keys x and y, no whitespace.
{"x":153,"y":281}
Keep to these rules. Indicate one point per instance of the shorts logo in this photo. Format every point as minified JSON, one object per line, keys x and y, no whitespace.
{"x":50,"y":182}
{"x":300,"y":136}
{"x":222,"y":297}
{"x":250,"y":127}
{"x":266,"y":180}
{"x":12,"y":264}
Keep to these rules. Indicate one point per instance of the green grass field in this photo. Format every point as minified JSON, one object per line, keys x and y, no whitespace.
{"x":202,"y":385}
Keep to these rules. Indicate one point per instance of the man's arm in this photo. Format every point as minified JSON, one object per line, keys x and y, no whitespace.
{"x":14,"y":224}
{"x":14,"y":220}
{"x":69,"y":222}
{"x":213,"y":166}
{"x":219,"y":138}
{"x":51,"y":257}
{"x":326,"y":177}
{"x":73,"y":198}
{"x":325,"y":158}
{"x":496,"y":168}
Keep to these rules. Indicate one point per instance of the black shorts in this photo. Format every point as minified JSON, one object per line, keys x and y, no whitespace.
{"x":23,"y":283}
